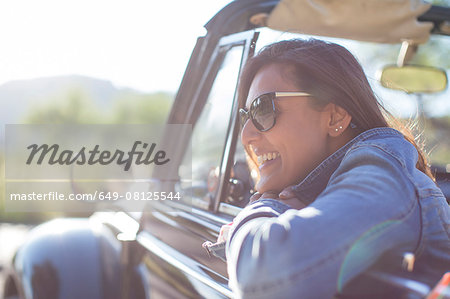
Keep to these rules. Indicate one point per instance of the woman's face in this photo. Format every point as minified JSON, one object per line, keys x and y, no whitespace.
{"x":298,"y":141}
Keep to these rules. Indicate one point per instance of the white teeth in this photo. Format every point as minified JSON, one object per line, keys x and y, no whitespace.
{"x":267,"y":157}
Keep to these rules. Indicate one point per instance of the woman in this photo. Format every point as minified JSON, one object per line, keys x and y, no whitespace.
{"x":339,"y":188}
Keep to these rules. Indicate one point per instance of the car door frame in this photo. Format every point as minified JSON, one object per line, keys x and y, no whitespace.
{"x":210,"y":217}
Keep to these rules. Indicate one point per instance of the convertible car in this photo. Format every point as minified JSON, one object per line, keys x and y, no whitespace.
{"x":157,"y":252}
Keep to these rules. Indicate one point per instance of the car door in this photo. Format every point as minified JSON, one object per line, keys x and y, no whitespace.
{"x":173,"y":232}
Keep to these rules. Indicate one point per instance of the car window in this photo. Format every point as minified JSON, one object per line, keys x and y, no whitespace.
{"x":242,"y":179}
{"x":209,"y":132}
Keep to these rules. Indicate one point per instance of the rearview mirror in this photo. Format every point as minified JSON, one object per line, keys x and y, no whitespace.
{"x":414,"y":78}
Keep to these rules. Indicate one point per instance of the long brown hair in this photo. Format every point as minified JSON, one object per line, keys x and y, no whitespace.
{"x":330,"y":73}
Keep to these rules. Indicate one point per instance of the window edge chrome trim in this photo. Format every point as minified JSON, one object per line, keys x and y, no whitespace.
{"x":229,"y":209}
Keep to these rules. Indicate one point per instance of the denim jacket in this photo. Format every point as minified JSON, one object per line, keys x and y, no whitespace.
{"x":365,"y":201}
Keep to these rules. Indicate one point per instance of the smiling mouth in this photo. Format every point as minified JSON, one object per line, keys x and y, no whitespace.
{"x":267,"y":157}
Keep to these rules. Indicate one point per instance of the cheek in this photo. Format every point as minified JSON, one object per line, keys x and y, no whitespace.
{"x":295,"y":134}
{"x":301,"y":149}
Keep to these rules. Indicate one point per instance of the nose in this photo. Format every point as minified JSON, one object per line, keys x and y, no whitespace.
{"x":249,"y":133}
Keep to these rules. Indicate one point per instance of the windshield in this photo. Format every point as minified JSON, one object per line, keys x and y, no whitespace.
{"x":427,"y":114}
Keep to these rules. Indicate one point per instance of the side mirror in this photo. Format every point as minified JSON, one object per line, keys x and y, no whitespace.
{"x":414,"y":78}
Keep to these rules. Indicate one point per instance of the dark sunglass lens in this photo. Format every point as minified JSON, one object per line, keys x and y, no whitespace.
{"x":263,"y":113}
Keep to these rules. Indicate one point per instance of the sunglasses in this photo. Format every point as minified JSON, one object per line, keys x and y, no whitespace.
{"x":262,"y":110}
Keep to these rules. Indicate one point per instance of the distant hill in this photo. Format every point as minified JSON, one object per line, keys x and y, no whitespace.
{"x":18,"y":98}
{"x":15,"y":95}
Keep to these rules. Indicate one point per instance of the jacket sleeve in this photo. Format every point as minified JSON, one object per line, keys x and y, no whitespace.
{"x":368,"y":207}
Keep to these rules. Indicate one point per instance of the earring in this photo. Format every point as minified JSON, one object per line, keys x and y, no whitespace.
{"x":340,"y":127}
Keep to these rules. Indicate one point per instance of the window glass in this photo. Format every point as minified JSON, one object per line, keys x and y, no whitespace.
{"x":209,"y":133}
{"x":244,"y":174}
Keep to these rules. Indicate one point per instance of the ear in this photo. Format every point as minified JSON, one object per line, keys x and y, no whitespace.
{"x":339,"y":120}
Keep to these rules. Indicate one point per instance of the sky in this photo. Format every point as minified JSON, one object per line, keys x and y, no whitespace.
{"x":142,"y":44}
{"x":139,"y":44}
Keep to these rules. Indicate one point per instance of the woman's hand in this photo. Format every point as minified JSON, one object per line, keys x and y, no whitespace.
{"x":287,"y":196}
{"x":268,"y":194}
